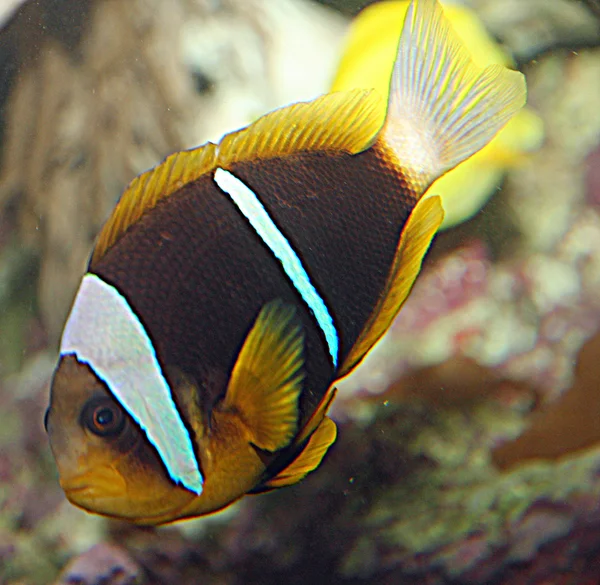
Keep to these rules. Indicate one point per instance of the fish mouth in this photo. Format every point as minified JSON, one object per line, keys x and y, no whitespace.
{"x":84,"y":492}
{"x":80,"y":495}
{"x":101,"y":486}
{"x":89,"y":499}
{"x":76,"y":489}
{"x":96,"y":499}
{"x":106,"y":495}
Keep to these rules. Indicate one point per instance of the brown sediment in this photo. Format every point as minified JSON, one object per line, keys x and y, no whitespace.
{"x":568,"y":425}
{"x":456,"y":381}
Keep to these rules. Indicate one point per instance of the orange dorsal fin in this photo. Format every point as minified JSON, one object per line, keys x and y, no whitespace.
{"x":310,"y":457}
{"x":266,"y":380}
{"x":416,"y":237}
{"x":147,"y":189}
{"x":347,"y":121}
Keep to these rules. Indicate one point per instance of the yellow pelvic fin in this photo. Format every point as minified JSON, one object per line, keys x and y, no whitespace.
{"x":266,"y":380}
{"x":442,"y":107}
{"x":346,"y":121}
{"x":309,"y":459}
{"x":416,"y":237}
{"x":317,"y":416}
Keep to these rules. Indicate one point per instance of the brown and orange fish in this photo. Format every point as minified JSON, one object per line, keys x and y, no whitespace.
{"x":235,"y":283}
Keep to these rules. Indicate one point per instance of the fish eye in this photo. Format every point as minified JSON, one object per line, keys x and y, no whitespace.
{"x":103,"y":418}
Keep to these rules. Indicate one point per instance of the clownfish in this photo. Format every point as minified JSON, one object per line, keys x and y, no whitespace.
{"x":236,"y":282}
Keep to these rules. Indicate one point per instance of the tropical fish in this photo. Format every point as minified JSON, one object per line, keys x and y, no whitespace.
{"x":235,"y":283}
{"x":367,"y":62}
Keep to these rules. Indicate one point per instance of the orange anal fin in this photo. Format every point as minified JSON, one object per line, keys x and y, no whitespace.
{"x":313,"y":424}
{"x":266,"y":380}
{"x":415,"y":240}
{"x":318,"y":415}
{"x":310,"y":457}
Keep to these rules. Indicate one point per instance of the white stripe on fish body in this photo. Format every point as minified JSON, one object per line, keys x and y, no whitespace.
{"x":254,"y":211}
{"x":104,"y":332}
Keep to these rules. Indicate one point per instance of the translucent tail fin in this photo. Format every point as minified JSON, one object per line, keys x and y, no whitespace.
{"x":442,"y":108}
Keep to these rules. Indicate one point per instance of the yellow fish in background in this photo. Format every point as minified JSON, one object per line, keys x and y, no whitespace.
{"x":236,"y":282}
{"x":367,"y":62}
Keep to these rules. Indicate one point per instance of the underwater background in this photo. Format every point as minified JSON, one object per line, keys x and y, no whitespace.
{"x":469,"y":440}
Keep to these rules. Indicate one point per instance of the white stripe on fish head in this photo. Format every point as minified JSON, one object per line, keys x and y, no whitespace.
{"x":104,"y":332}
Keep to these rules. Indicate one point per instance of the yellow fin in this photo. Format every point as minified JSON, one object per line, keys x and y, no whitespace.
{"x":309,"y":459}
{"x":442,"y":107}
{"x":146,"y":190}
{"x":416,"y":237}
{"x":317,"y":416}
{"x":347,"y":121}
{"x":266,"y":380}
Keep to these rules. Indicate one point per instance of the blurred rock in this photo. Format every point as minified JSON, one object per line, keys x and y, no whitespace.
{"x":535,"y":27}
{"x":103,"y":564}
{"x":7,"y":8}
{"x":567,"y":425}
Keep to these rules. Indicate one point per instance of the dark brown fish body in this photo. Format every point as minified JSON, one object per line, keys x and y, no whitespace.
{"x":235,"y":283}
{"x":197,"y":273}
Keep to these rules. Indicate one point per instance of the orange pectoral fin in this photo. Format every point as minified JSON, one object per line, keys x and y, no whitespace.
{"x":415,"y":240}
{"x":310,"y":457}
{"x":266,"y":380}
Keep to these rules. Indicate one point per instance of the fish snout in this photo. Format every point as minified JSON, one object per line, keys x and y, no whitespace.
{"x":94,"y":484}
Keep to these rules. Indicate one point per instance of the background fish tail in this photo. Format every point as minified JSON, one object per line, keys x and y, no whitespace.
{"x":443,"y":108}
